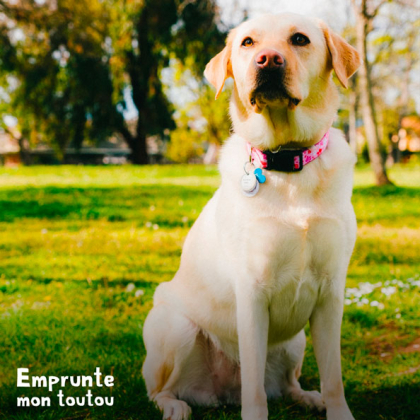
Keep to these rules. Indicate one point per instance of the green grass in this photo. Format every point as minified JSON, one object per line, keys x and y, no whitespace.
{"x":73,"y":238}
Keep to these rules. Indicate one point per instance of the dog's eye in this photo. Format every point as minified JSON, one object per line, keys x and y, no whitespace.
{"x":247,"y":42}
{"x":300,"y":39}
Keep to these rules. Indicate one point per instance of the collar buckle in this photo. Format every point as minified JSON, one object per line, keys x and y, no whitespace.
{"x":288,"y":160}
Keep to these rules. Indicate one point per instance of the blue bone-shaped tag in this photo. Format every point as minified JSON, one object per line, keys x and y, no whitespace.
{"x":259,"y":175}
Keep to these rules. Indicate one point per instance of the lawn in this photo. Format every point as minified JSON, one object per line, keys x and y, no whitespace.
{"x":83,"y":248}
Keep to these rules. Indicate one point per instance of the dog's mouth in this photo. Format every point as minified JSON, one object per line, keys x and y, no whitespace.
{"x":259,"y":100}
{"x":269,"y":90}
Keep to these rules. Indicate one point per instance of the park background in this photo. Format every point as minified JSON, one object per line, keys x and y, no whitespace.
{"x":108,"y":138}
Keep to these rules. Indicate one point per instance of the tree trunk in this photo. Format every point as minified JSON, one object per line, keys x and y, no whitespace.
{"x":211,"y":155}
{"x":353,"y":116}
{"x":24,"y":148}
{"x":24,"y":151}
{"x":139,"y":154}
{"x":137,"y":143}
{"x":368,"y":107}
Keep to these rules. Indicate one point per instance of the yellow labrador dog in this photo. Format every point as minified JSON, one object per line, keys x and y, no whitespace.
{"x":270,"y":250}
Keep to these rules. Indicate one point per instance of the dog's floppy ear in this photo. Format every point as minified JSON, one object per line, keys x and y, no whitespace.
{"x":219,"y":68}
{"x":345,"y":59}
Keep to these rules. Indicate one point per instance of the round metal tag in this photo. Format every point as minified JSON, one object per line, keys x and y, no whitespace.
{"x":250,"y":185}
{"x":248,"y":182}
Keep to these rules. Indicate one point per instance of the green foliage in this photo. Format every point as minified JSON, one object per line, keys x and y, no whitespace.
{"x":390,"y":123}
{"x":64,"y":89}
{"x":199,"y":35}
{"x":215,"y":113}
{"x":72,"y":238}
{"x":201,"y":122}
{"x":74,"y":61}
{"x":185,"y":142}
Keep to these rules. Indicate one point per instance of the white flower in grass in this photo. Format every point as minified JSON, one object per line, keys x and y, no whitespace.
{"x":365,"y":301}
{"x":388,"y":291}
{"x":366,"y":288}
{"x":155,"y":226}
{"x":349,"y":293}
{"x":152,"y":208}
{"x":40,"y":305}
{"x":185,"y":219}
{"x":148,"y":224}
{"x":353,"y":292}
{"x":347,"y":301}
{"x":398,"y":316}
{"x":381,"y":306}
{"x":130,"y":287}
{"x":139,"y":293}
{"x":374,"y":303}
{"x":44,"y":231}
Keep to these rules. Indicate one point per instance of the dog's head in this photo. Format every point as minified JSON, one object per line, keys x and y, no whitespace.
{"x":284,"y":63}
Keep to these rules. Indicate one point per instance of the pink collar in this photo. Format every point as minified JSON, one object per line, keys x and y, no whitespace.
{"x":287,"y":160}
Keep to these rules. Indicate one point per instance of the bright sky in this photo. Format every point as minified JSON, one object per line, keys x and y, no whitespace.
{"x":335,"y":13}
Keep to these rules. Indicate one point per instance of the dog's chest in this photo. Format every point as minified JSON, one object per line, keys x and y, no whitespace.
{"x":293,"y":256}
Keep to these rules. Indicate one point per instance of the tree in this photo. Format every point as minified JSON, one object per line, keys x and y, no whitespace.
{"x":393,"y":54}
{"x":63,"y":89}
{"x":76,"y":59}
{"x":365,"y":12}
{"x":187,"y":30}
{"x":201,"y":121}
{"x":397,"y":56}
{"x":186,"y":143}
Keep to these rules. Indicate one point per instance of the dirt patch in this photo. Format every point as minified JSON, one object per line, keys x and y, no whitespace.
{"x":413,"y":347}
{"x":385,"y":346}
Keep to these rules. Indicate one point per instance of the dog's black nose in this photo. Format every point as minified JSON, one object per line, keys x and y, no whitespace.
{"x":269,"y":59}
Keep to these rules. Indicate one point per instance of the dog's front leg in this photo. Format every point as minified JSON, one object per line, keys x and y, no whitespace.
{"x":252,"y":324}
{"x":325,"y":330}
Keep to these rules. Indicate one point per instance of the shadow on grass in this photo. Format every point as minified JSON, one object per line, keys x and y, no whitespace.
{"x":390,"y":403}
{"x":131,"y":203}
{"x":387,"y":191}
{"x":113,"y":204}
{"x":131,"y":402}
{"x":398,"y":402}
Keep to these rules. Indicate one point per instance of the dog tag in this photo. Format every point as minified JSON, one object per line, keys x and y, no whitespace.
{"x":250,"y":185}
{"x":259,"y":175}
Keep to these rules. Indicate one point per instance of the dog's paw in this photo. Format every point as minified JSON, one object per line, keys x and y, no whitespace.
{"x":311,"y":399}
{"x":176,"y":410}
